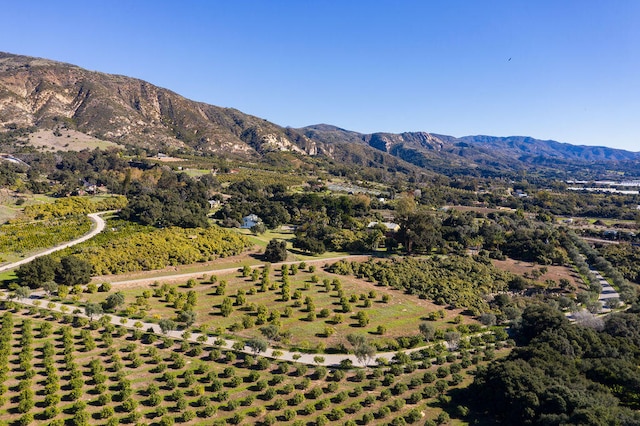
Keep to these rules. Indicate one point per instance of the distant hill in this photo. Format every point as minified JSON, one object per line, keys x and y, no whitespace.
{"x":43,"y":95}
{"x":488,"y":154}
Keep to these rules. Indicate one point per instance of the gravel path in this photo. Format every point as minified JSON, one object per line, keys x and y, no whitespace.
{"x":99,"y":225}
{"x":38,"y":299}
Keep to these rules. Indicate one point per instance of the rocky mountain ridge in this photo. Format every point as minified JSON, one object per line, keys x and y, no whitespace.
{"x":43,"y":94}
{"x":46,"y":94}
{"x":484,"y":154}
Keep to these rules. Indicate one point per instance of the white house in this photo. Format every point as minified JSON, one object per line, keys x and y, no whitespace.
{"x":250,"y":221}
{"x":394,"y":227}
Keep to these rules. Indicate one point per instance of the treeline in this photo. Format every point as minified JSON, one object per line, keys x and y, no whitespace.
{"x":627,"y":291}
{"x":583,"y":204}
{"x":457,"y":281}
{"x":275,"y":205}
{"x":157,"y":195}
{"x":126,"y":247}
{"x":68,"y":270}
{"x":564,"y":374}
{"x":65,"y":172}
{"x":625,"y":258}
{"x":499,"y":234}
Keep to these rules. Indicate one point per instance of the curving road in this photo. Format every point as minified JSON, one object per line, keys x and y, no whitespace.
{"x":329,"y":360}
{"x":99,"y":225}
{"x":186,"y":275}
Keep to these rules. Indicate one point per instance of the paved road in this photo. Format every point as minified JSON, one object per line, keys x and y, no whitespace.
{"x":607,"y":292}
{"x":98,"y":227}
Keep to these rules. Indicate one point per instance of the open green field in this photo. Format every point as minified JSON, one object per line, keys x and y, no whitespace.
{"x":196,"y":172}
{"x":256,"y":305}
{"x":64,"y":370}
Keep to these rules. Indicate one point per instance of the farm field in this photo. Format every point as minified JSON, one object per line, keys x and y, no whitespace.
{"x":338,"y":306}
{"x":24,"y":237}
{"x":59,"y":369}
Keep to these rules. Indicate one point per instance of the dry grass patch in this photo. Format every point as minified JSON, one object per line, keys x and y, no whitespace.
{"x":554,"y":272}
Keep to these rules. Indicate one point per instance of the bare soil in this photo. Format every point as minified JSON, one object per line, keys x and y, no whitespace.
{"x":554,"y":272}
{"x":70,"y":140}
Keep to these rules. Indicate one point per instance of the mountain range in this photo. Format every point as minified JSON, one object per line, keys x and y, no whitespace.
{"x":39,"y":94}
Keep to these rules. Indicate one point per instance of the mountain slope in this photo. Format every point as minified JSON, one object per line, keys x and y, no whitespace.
{"x":37,"y":94}
{"x":474,"y":154}
{"x":47,"y":94}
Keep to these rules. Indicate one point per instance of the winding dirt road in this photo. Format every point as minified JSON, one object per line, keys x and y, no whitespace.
{"x":98,"y":227}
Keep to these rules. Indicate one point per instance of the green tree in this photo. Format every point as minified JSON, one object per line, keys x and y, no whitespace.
{"x":113,"y":301}
{"x":50,"y":287}
{"x":92,"y":309}
{"x":73,"y":270}
{"x":259,"y":228}
{"x":363,"y":319}
{"x":257,"y":345}
{"x":187,"y":316}
{"x":166,"y":325}
{"x":420,"y":231}
{"x":365,"y":353}
{"x":276,"y":251}
{"x":226,"y":307}
{"x":37,"y":272}
{"x":271,"y":332}
{"x":427,"y":330}
{"x":22,"y":292}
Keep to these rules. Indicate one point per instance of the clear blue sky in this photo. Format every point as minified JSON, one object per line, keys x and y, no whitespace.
{"x":567,"y":70}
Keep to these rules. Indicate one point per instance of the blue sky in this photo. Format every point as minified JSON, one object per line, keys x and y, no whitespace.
{"x":566,"y":70}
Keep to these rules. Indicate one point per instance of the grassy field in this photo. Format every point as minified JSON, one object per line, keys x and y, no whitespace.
{"x":400,"y":314}
{"x":10,"y":210}
{"x":67,"y":371}
{"x":261,"y":240}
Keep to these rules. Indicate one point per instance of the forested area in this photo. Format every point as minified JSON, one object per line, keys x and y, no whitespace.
{"x":175,"y":200}
{"x":564,"y":373}
{"x":583,"y":204}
